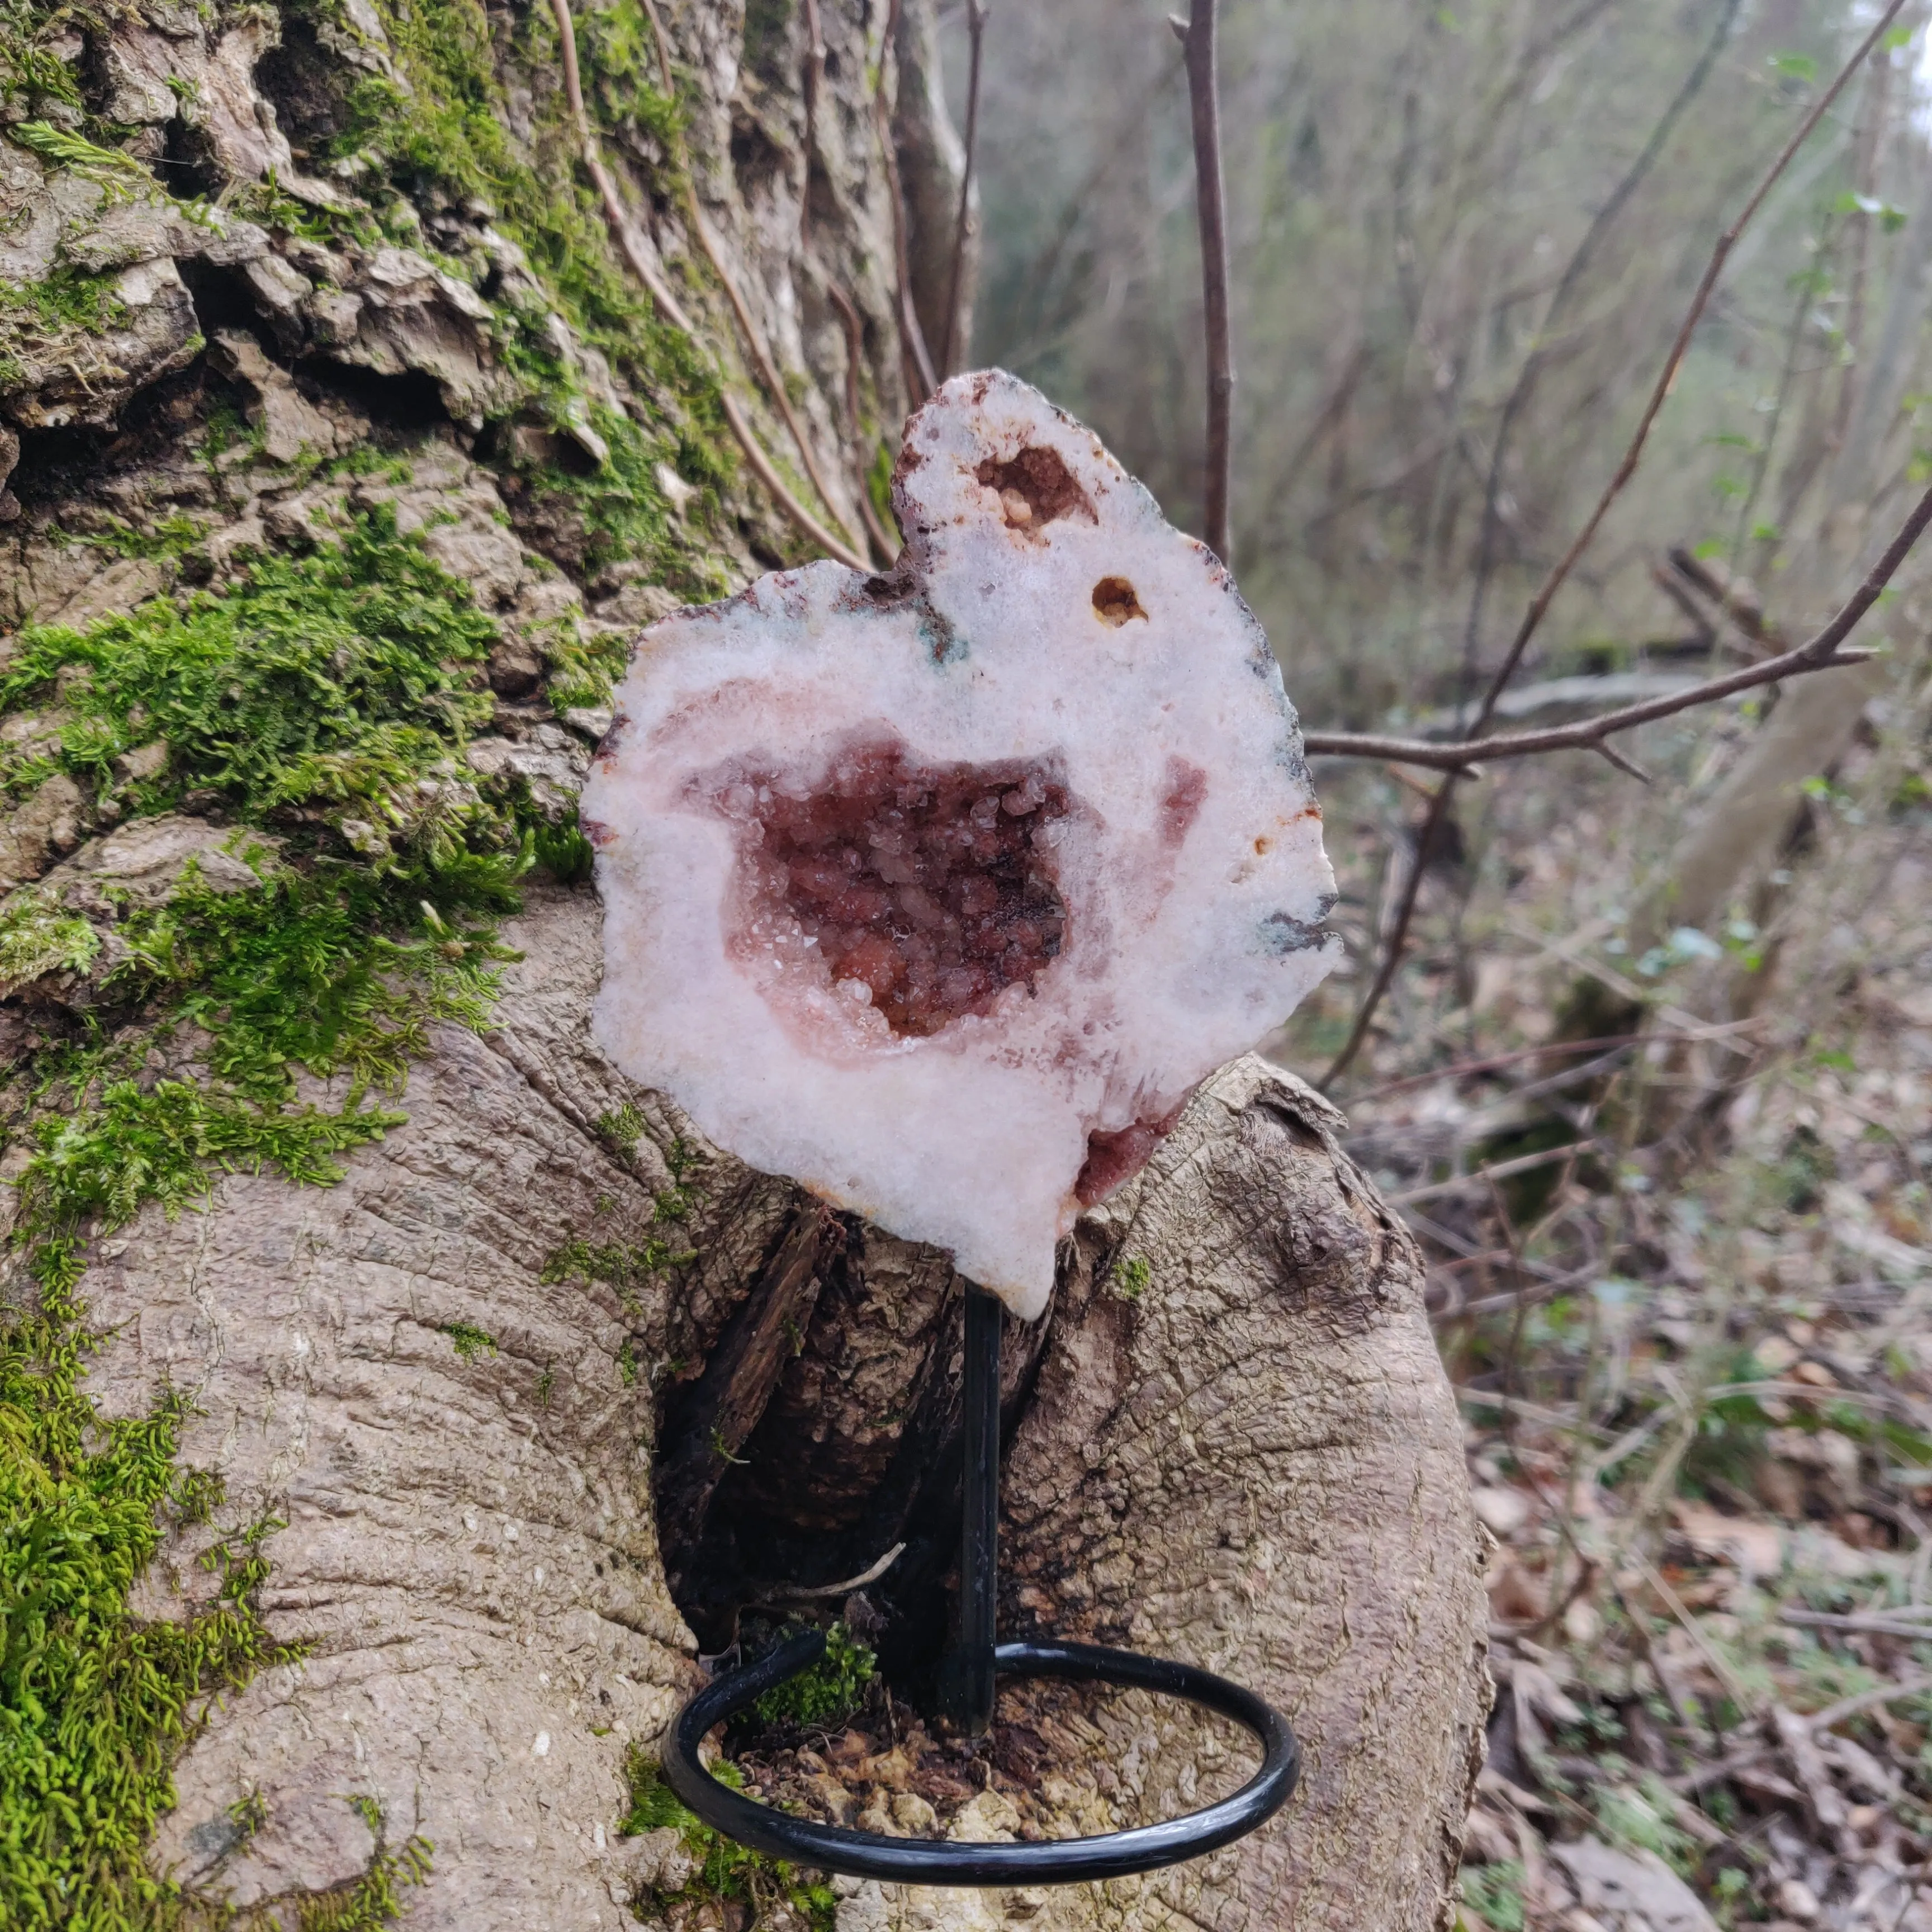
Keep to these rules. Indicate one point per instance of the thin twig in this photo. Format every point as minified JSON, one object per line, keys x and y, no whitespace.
{"x":975,"y":25}
{"x":1395,"y":940}
{"x":1833,"y":1715}
{"x":1865,"y":1623}
{"x":615,"y":215}
{"x":1502,"y":1170}
{"x":1725,"y":1675}
{"x":1439,"y":809}
{"x":871,"y":1574}
{"x":1198,"y":36}
{"x":1821,"y":653}
{"x":767,"y":474}
{"x":761,"y":356}
{"x":920,"y":380}
{"x":663,"y":42}
{"x":885,"y":545}
{"x":617,"y":219}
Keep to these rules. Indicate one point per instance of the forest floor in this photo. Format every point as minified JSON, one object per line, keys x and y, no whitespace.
{"x":1683,"y":1287}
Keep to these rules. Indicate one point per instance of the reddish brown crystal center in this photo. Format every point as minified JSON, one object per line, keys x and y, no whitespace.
{"x":933,"y":884}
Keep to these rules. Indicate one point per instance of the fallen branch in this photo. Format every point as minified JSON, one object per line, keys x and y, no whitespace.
{"x":1197,"y":34}
{"x":1822,"y":652}
{"x":1746,"y":1756}
{"x":1833,"y":1715}
{"x":1557,"y":1050}
{"x":1865,"y":1623}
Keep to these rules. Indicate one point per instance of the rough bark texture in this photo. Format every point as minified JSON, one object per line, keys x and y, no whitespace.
{"x":453,"y":1377}
{"x":1255,"y":1464}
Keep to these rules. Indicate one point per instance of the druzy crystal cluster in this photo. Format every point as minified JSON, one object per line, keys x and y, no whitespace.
{"x":941,"y":890}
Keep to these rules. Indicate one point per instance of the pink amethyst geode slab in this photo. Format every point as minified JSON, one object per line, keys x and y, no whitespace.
{"x":940,"y":891}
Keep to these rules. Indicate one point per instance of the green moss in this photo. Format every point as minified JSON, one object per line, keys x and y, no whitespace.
{"x":319,"y":689}
{"x":339,"y":677}
{"x":35,"y":318}
{"x":26,"y":67}
{"x":170,"y":536}
{"x":468,"y":1340}
{"x":829,"y":1692}
{"x":1495,"y":1893}
{"x":629,"y":1267}
{"x":374,"y":1900}
{"x":443,"y":135}
{"x":1131,"y":1278}
{"x":38,"y":937}
{"x":623,"y":510}
{"x":328,"y":699}
{"x":94,"y":1703}
{"x":727,"y":1870}
{"x":621,"y":1130}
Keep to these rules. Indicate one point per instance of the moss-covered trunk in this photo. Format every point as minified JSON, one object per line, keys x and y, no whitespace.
{"x":366,"y":1339}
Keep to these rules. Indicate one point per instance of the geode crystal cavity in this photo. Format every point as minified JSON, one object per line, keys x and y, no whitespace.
{"x":941,"y":890}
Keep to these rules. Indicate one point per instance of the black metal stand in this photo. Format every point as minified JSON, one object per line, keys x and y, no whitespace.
{"x":966,"y":1687}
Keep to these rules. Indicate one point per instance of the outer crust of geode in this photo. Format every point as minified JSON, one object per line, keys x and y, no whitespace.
{"x":1043,"y":617}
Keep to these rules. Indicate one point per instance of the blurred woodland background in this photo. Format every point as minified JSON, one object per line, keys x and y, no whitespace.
{"x":1653,"y":1085}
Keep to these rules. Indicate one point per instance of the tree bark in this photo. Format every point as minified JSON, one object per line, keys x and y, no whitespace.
{"x":523,"y":1410}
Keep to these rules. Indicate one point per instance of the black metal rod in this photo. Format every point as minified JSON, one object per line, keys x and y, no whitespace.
{"x":970,"y":1670}
{"x":966,"y":1689}
{"x":963,"y":1862}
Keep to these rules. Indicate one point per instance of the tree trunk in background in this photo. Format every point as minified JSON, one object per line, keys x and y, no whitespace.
{"x":499,"y":1407}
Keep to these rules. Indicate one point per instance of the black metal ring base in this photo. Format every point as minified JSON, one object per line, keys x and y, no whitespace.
{"x":926,"y":1862}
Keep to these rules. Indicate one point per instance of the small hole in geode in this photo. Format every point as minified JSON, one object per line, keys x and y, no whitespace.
{"x":1115,"y":601}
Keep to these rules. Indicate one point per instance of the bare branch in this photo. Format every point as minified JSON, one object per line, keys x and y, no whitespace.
{"x":975,"y":25}
{"x":761,"y":357}
{"x":1197,"y":40}
{"x":1629,"y":767}
{"x":1398,"y":935}
{"x":1745,"y":612}
{"x":885,"y":546}
{"x":1822,"y":652}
